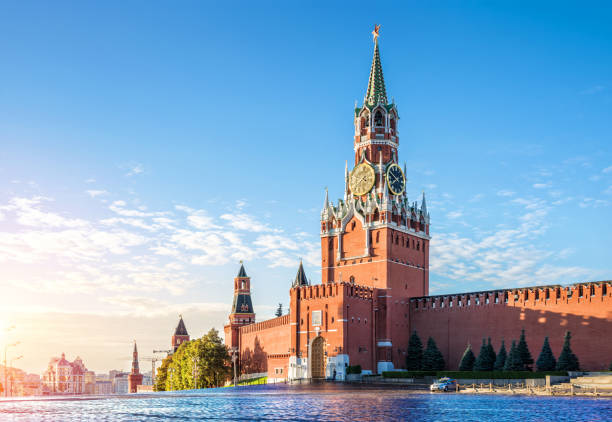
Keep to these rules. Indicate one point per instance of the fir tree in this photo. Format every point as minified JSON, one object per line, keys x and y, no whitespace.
{"x":514,"y":361}
{"x":526,"y":358}
{"x":568,"y":361}
{"x":481,"y":361}
{"x":467,"y":360}
{"x":279,"y":310}
{"x":414,"y":358}
{"x":432,"y":358}
{"x":546,"y":361}
{"x":500,"y":360}
{"x":491,"y":356}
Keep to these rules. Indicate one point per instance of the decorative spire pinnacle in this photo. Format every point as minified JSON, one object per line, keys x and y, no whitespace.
{"x":300,"y":278}
{"x":242,"y":272}
{"x":376,"y":93}
{"x":326,"y":203}
{"x":181,"y":330}
{"x":423,"y":205}
{"x":346,"y":182}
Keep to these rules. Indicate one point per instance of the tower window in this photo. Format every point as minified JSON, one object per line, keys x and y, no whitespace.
{"x":378,"y":119}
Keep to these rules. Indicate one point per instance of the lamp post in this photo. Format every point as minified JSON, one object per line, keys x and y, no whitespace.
{"x":12,"y":378}
{"x":234,"y":352}
{"x":5,"y":368}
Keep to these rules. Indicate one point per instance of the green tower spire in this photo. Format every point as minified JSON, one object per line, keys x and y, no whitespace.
{"x":376,"y":94}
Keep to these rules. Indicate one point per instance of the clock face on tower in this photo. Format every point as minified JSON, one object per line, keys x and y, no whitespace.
{"x":395,"y":179}
{"x":362,"y":179}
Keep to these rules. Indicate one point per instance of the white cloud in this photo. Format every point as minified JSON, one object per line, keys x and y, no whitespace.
{"x":454,"y":214}
{"x":506,"y":193}
{"x":542,"y":185}
{"x":135,"y":169}
{"x":95,"y":193}
{"x":245,"y":222}
{"x":607,"y":170}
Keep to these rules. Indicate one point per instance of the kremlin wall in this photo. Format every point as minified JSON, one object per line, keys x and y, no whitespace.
{"x":375,"y":283}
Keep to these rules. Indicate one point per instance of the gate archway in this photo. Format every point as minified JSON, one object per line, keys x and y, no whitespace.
{"x":317,"y":358}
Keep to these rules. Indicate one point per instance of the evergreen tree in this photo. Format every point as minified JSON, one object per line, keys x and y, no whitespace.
{"x":432,"y":358}
{"x":514,"y":361}
{"x":279,"y":310}
{"x":481,"y":360}
{"x":526,"y":358}
{"x":486,"y":357}
{"x":546,"y":361}
{"x":467,"y":360}
{"x":568,"y":361}
{"x":414,"y":357}
{"x":500,"y":360}
{"x":491,"y":356}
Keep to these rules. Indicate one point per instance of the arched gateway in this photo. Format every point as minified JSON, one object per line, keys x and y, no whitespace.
{"x":317,"y":358}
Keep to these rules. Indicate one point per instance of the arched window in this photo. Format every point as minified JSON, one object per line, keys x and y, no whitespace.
{"x":352,"y":279}
{"x":377,"y":236}
{"x":378,"y":119}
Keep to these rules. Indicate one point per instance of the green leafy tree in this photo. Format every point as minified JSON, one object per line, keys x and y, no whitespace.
{"x":200,"y":363}
{"x":514,"y":361}
{"x":524,"y":352}
{"x":568,"y":361}
{"x":467,"y":360}
{"x":500,"y":360}
{"x":414,"y":357}
{"x":546,"y":361}
{"x":279,"y":310}
{"x":610,"y":368}
{"x":162,"y":374}
{"x":215,"y":361}
{"x":432,"y":358}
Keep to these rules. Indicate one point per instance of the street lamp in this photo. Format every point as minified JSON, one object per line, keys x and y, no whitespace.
{"x":234,"y":352}
{"x":5,"y":369}
{"x":12,"y":378}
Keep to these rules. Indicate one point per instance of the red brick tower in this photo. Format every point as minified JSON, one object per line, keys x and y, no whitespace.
{"x":242,"y":308}
{"x":135,"y":377}
{"x":374,"y":236}
{"x":180,"y":334}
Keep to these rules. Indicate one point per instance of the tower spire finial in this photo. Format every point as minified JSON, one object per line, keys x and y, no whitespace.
{"x":375,"y":33}
{"x":376,"y":93}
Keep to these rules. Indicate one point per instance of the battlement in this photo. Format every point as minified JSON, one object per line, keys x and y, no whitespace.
{"x":264,"y":325}
{"x":522,"y":296}
{"x":333,"y":289}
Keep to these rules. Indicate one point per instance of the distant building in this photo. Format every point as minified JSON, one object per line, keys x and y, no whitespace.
{"x":90,"y":382}
{"x":120,"y":383}
{"x":135,"y":377}
{"x":103,"y":387}
{"x":64,"y":377}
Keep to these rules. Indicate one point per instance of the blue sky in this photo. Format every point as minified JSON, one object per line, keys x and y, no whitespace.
{"x":147,"y":147}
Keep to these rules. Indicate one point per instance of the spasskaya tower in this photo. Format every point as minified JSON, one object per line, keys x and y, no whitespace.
{"x":374,"y":236}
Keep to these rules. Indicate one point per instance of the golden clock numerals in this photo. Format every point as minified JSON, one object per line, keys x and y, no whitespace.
{"x":362,"y":179}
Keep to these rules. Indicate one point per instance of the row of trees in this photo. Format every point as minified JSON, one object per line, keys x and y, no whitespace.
{"x":517,"y":359}
{"x":200,"y":363}
{"x":418,"y":360}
